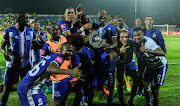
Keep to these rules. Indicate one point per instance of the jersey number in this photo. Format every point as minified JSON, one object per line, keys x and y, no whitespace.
{"x":36,"y":69}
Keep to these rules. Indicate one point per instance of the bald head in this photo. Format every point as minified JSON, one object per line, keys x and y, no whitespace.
{"x":102,"y":16}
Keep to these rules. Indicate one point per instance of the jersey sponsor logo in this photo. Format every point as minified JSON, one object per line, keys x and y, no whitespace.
{"x":59,"y":59}
{"x":63,"y":26}
{"x":57,"y":94}
{"x":4,"y":34}
{"x":42,"y":52}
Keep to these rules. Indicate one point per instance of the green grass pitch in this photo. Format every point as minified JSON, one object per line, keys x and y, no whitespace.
{"x":169,"y":92}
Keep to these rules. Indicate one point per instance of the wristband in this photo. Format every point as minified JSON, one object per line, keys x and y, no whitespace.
{"x":82,"y":29}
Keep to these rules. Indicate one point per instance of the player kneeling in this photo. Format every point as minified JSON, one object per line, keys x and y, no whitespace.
{"x":30,"y":89}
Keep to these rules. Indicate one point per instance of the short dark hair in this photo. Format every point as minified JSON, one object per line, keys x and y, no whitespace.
{"x":68,"y":8}
{"x":103,"y":11}
{"x":140,"y":29}
{"x":20,"y":14}
{"x":120,"y":17}
{"x":149,"y":16}
{"x":65,"y":44}
{"x":49,"y":27}
{"x":138,"y":19}
{"x":112,"y":17}
{"x":84,"y":19}
{"x":34,"y":22}
{"x":137,"y":29}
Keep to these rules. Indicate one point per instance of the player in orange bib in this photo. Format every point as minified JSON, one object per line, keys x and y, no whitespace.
{"x":59,"y":82}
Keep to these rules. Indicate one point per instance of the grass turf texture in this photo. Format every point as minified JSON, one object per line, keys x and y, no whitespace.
{"x":169,"y":92}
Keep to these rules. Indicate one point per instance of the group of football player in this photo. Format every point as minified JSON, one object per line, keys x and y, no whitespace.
{"x":83,"y":56}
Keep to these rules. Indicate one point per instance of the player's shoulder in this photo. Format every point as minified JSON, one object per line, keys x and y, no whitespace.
{"x":142,"y":27}
{"x":29,"y":29}
{"x":110,"y":26}
{"x":157,"y":30}
{"x":127,"y":29}
{"x":47,"y":42}
{"x":132,"y":40}
{"x":62,"y":22}
{"x":46,"y":45}
{"x":149,"y":40}
{"x":42,"y":33}
{"x":10,"y":29}
{"x":58,"y":58}
{"x":64,"y":36}
{"x":133,"y":28}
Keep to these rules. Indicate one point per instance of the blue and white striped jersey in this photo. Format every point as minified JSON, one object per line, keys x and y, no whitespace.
{"x":153,"y":60}
{"x":64,"y":27}
{"x":36,"y":53}
{"x":20,"y":45}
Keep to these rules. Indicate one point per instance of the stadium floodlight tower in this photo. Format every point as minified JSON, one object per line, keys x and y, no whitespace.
{"x":162,"y":28}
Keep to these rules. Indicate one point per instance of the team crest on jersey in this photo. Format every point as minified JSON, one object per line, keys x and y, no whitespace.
{"x":59,"y":59}
{"x":28,"y":37}
{"x":154,"y":35}
{"x":63,"y":26}
{"x":57,"y":94}
{"x":40,"y":102}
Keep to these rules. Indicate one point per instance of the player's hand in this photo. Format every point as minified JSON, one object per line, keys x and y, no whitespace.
{"x":88,"y":26}
{"x":76,"y":72}
{"x":39,"y":36}
{"x":142,"y":48}
{"x":123,"y":48}
{"x":7,"y":56}
{"x":79,"y":10}
{"x":106,"y":46}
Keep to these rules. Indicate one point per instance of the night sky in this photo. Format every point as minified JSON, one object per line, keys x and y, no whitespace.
{"x":163,"y":11}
